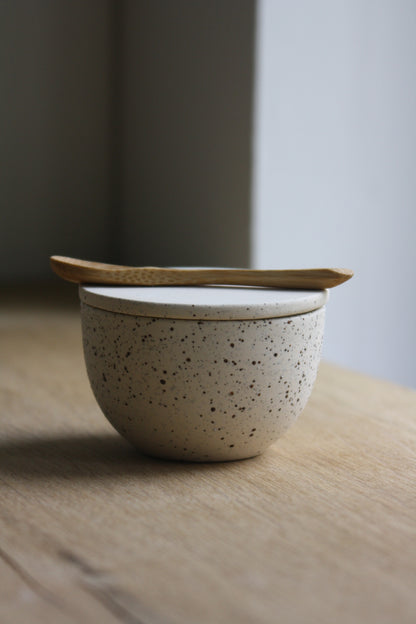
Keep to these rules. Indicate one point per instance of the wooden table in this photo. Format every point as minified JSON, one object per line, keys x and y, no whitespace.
{"x":322,"y":528}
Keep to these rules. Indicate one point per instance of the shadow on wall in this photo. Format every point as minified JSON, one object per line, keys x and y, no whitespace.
{"x":126,"y":132}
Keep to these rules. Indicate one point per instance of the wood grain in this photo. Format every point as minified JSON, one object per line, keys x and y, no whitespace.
{"x":85,"y":271}
{"x":319,"y":529}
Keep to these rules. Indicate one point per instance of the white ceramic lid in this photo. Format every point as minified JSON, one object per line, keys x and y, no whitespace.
{"x":203,"y":302}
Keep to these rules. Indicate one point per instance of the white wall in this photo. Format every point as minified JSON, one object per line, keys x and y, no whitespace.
{"x":334,"y":167}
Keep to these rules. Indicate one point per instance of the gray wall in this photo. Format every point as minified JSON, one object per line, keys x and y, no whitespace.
{"x":55,"y":115}
{"x":187,"y":113}
{"x":125,"y":132}
{"x":128,"y":133}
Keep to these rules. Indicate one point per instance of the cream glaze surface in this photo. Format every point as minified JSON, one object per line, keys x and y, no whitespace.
{"x":201,"y":390}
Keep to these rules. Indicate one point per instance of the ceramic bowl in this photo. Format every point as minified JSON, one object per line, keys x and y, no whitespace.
{"x":203,"y":373}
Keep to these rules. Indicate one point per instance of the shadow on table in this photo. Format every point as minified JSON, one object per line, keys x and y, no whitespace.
{"x":89,"y":456}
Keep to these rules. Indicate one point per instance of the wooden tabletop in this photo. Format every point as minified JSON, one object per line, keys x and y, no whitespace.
{"x":321,"y":528}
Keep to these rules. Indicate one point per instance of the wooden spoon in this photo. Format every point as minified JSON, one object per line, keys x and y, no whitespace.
{"x":83,"y":271}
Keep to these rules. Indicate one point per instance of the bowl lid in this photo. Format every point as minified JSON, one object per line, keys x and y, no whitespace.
{"x":202,"y":302}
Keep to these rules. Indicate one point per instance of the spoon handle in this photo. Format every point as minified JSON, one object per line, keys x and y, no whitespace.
{"x":83,"y":271}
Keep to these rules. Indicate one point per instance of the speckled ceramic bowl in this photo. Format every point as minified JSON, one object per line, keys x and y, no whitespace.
{"x":201,"y":374}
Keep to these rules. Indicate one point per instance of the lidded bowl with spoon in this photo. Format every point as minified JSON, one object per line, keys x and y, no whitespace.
{"x":201,"y":373}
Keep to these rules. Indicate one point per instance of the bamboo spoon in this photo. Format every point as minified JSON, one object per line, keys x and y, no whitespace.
{"x":83,"y":271}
